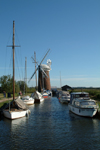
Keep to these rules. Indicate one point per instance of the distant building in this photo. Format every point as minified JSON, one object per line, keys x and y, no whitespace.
{"x":66,"y":88}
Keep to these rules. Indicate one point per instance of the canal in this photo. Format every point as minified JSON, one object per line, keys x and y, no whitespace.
{"x":49,"y":126}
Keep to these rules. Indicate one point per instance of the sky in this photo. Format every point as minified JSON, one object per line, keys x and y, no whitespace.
{"x":69,"y":28}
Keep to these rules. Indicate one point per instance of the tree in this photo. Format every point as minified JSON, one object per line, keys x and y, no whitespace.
{"x":17,"y":88}
{"x":22,"y":85}
{"x":7,"y":84}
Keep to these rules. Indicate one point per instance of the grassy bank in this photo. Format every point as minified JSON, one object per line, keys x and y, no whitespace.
{"x":4,"y":103}
{"x":93,"y":92}
{"x":6,"y":100}
{"x":16,"y":94}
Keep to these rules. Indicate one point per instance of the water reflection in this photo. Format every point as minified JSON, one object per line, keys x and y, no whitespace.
{"x":50,"y":126}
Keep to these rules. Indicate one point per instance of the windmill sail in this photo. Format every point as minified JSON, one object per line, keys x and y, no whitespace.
{"x":44,"y":57}
{"x":41,"y":72}
{"x":33,"y":75}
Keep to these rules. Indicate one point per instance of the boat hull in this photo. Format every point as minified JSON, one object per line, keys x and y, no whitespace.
{"x":28,"y":102}
{"x":85,"y":112}
{"x":38,"y":100}
{"x":66,"y":101}
{"x":45,"y":96}
{"x":15,"y":114}
{"x":42,"y":99}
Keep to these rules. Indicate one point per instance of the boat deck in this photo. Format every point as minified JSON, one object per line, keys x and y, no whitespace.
{"x":14,"y":109}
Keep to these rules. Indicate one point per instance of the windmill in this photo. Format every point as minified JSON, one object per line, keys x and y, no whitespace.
{"x":42,"y":71}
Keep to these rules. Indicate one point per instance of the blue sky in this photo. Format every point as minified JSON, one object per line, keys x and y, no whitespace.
{"x":70,"y":28}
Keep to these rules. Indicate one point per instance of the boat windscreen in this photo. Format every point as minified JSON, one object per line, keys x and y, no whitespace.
{"x":88,"y":103}
{"x":81,"y":95}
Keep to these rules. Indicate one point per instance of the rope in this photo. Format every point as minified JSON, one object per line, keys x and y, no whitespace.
{"x":6,"y":54}
{"x":19,"y":57}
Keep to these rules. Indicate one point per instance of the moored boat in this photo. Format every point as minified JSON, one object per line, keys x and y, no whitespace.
{"x":47,"y":93}
{"x":16,"y":109}
{"x":80,"y":104}
{"x":37,"y":97}
{"x":64,"y":97}
{"x":28,"y":100}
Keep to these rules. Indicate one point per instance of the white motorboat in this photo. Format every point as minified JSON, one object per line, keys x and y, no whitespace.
{"x":16,"y":109}
{"x":64,"y":97}
{"x":28,"y":100}
{"x":37,"y":97}
{"x":82,"y":105}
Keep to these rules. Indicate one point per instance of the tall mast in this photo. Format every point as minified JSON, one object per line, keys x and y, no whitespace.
{"x":25,"y":79}
{"x":13,"y":47}
{"x":60,"y":80}
{"x":35,"y":68}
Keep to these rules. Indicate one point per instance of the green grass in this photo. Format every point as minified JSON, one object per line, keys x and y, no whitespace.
{"x":16,"y":94}
{"x":98,"y":102}
{"x":5,"y":102}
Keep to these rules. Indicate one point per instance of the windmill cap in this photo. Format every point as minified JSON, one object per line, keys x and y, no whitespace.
{"x":45,"y":67}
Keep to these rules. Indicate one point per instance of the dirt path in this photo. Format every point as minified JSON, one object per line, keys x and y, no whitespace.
{"x":6,"y":99}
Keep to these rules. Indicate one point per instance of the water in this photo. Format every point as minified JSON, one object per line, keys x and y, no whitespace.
{"x":50,"y":126}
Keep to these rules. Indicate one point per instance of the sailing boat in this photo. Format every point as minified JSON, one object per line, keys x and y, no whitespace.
{"x":17,"y":108}
{"x":27,"y":99}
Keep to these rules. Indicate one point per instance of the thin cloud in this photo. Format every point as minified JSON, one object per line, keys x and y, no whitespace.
{"x":75,"y":79}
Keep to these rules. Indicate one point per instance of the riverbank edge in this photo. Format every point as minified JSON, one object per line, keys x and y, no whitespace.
{"x":4,"y":103}
{"x":6,"y":100}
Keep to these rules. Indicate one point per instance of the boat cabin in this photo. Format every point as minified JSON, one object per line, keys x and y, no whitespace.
{"x":83,"y":102}
{"x":75,"y":95}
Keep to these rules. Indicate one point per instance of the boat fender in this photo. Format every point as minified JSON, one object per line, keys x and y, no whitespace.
{"x":26,"y":114}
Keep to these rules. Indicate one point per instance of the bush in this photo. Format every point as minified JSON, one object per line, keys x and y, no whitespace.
{"x":98,"y":96}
